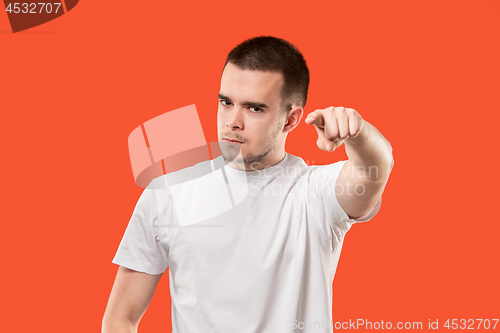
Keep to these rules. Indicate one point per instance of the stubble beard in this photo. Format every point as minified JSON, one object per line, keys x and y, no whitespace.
{"x":252,"y":161}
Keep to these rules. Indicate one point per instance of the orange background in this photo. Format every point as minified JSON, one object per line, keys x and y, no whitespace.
{"x":425,"y":73}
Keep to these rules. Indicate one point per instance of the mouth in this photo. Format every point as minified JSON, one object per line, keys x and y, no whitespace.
{"x":232,"y":141}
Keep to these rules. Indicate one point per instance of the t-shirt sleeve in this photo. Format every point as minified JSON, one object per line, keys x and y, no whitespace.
{"x":140,"y":248}
{"x":323,"y":200}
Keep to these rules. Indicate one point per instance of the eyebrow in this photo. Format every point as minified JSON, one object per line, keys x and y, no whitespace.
{"x":247,"y":103}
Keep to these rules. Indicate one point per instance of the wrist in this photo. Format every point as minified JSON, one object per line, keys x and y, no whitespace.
{"x":361,"y":137}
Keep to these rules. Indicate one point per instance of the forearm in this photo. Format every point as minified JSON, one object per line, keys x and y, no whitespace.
{"x":371,"y":153}
{"x":112,"y":325}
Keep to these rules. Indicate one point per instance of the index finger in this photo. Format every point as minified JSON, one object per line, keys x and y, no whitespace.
{"x":315,"y":118}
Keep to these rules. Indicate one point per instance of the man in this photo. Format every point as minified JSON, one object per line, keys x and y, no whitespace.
{"x":267,"y":263}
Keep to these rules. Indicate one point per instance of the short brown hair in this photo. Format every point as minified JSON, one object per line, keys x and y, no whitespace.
{"x":267,"y":53}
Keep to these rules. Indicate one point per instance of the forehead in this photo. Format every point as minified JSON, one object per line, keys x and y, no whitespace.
{"x":259,"y":86}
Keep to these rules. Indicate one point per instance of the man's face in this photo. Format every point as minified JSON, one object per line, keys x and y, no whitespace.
{"x":249,"y":112}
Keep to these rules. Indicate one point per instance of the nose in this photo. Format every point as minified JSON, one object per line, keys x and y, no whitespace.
{"x":235,"y":119}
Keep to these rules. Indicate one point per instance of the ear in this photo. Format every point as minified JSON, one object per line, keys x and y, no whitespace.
{"x":293,"y":117}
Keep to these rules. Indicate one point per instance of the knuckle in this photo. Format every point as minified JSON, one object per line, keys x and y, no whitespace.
{"x":331,"y":137}
{"x":340,"y":111}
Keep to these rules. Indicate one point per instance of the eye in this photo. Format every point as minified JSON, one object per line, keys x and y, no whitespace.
{"x":224,"y":102}
{"x":255,"y":109}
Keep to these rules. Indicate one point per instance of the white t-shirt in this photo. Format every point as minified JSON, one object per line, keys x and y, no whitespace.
{"x":247,"y":251}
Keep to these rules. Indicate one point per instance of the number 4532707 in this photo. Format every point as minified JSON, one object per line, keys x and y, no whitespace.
{"x":33,"y":8}
{"x":470,"y":324}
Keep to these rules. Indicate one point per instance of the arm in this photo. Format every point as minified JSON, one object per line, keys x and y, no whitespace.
{"x":366,"y":172}
{"x":363,"y":177}
{"x":130,"y":297}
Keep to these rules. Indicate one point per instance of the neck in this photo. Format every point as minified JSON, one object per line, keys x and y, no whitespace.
{"x":268,"y":162}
